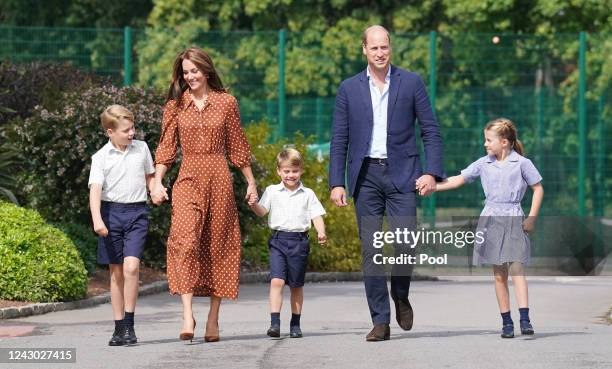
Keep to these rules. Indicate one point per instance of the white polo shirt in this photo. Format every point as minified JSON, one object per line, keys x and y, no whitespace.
{"x":122,"y":174}
{"x":290,"y":211}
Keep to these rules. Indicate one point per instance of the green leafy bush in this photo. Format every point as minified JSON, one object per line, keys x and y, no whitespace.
{"x":37,"y":83}
{"x":8,"y":162}
{"x":85,"y":241}
{"x":38,"y":262}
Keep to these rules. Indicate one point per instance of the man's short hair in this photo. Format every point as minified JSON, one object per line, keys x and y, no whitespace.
{"x":111,"y":116}
{"x":364,"y":36}
{"x":289,"y":157}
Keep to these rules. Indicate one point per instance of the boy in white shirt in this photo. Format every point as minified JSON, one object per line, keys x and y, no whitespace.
{"x":120,"y":173}
{"x":291,"y":206}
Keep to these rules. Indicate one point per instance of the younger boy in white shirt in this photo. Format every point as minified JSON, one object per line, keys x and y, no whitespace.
{"x":292,"y":207}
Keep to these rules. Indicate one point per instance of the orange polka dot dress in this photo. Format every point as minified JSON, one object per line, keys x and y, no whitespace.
{"x":203,"y":250}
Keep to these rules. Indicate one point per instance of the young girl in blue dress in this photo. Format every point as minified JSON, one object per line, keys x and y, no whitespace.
{"x":505,"y":175}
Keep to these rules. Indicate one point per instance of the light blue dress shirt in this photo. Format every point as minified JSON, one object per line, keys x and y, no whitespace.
{"x":380,"y":102}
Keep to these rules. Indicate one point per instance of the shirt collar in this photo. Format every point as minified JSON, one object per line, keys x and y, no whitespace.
{"x":513,"y":157}
{"x":110,"y":147}
{"x":387,"y":77}
{"x":281,"y":187}
{"x":188,"y":98}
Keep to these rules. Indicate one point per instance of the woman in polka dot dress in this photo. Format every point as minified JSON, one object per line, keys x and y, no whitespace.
{"x":204,"y":244}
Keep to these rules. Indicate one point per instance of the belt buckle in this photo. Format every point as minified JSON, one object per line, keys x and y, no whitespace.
{"x":381,"y":161}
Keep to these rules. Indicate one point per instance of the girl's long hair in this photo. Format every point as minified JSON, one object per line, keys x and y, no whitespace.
{"x":504,"y":128}
{"x":204,"y":63}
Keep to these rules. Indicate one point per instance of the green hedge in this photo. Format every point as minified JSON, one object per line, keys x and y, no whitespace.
{"x":38,"y":262}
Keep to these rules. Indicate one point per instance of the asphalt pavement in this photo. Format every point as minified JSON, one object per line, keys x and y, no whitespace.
{"x":457,"y":325}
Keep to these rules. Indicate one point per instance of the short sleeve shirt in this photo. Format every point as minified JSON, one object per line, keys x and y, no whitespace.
{"x":122,"y":174}
{"x":503,"y":182}
{"x":290,"y":211}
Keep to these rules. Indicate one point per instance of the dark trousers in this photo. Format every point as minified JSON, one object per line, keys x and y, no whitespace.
{"x":376,"y":197}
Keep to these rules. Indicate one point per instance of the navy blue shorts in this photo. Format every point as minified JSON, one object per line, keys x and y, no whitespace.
{"x":127,"y":226}
{"x":289,"y":256}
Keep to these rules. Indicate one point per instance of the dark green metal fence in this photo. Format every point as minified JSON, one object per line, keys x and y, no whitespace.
{"x":555,"y":88}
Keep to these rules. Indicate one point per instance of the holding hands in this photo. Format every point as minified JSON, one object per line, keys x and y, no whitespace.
{"x":159,"y":194}
{"x":251,"y":195}
{"x":426,"y":185}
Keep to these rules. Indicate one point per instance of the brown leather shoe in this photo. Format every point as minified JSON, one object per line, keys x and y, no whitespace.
{"x":380,"y":332}
{"x":403,"y":313}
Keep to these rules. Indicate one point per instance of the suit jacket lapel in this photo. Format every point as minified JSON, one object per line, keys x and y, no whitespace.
{"x":366,"y":96}
{"x":393,"y":90}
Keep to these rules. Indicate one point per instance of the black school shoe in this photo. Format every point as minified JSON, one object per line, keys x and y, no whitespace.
{"x":130,"y":336}
{"x":295,"y":332}
{"x":274,"y":331}
{"x":526,"y":328}
{"x":508,"y":331}
{"x":118,"y":338}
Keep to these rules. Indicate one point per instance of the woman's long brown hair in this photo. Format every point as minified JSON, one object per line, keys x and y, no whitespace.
{"x":204,"y":63}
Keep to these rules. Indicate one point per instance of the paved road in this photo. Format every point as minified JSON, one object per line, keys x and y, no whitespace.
{"x":456,"y":326}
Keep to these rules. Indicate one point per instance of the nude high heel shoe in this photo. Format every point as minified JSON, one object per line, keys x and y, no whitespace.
{"x":211,"y":337}
{"x":188,"y":336}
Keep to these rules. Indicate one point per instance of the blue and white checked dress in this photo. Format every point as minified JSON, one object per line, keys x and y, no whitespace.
{"x":501,"y":220}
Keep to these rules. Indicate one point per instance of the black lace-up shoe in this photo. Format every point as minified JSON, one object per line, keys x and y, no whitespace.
{"x":118,"y":338}
{"x":130,"y":335}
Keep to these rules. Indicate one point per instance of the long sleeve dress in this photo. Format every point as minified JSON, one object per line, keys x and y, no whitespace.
{"x":203,"y":249}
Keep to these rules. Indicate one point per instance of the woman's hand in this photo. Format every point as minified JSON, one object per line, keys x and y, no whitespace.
{"x":251,"y":194}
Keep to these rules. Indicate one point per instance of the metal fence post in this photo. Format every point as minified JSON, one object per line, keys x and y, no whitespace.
{"x":601,"y":159}
{"x":282,"y":102}
{"x":433,"y":36}
{"x":540,"y":162}
{"x":582,"y":142}
{"x":127,"y":56}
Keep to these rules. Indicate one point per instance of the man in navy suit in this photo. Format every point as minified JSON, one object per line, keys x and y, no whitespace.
{"x":374,"y":132}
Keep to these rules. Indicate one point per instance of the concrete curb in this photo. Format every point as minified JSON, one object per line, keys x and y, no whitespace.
{"x":48,"y":307}
{"x":162,"y":286}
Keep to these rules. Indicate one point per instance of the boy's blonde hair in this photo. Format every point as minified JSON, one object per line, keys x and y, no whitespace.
{"x":289,"y":157}
{"x":111,"y":116}
{"x":505,"y":128}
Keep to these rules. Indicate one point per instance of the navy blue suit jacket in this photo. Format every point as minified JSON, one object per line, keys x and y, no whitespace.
{"x":352,"y":131}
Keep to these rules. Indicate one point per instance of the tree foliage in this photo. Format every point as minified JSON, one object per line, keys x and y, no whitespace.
{"x":75,"y":13}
